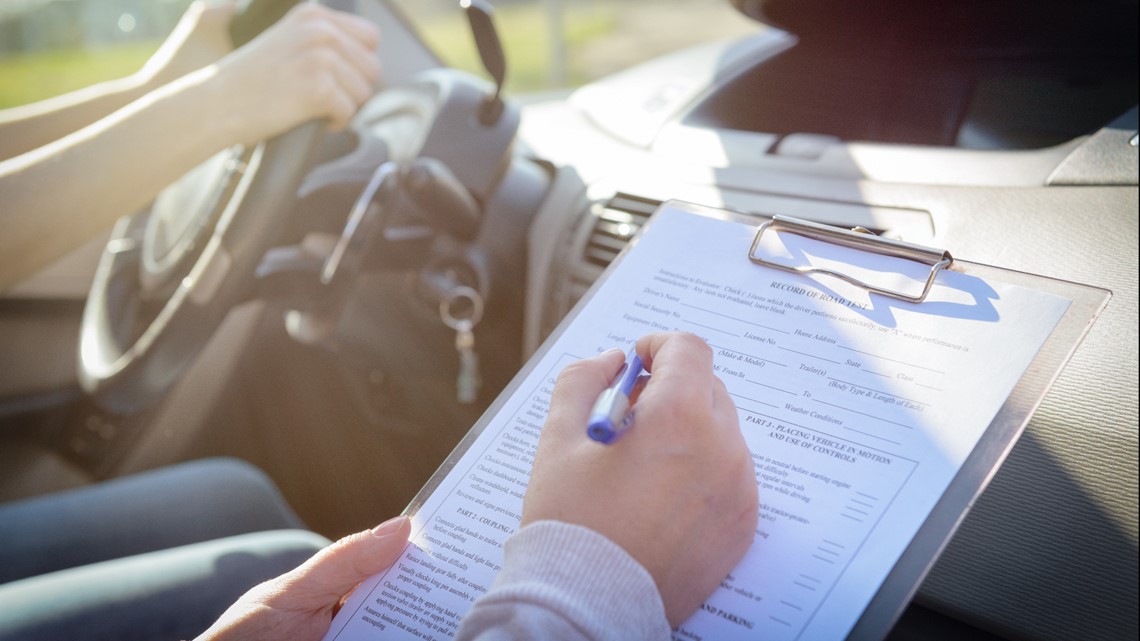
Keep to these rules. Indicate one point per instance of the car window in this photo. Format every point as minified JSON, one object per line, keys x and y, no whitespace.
{"x":50,"y":47}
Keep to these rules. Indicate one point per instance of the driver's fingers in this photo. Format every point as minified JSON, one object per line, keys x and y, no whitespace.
{"x":356,"y":27}
{"x":347,"y":90}
{"x":359,"y":54}
{"x":338,"y":106}
{"x":330,"y":34}
{"x":361,"y":29}
{"x":357,"y":85}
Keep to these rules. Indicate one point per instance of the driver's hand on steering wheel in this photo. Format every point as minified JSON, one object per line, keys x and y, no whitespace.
{"x":314,"y":63}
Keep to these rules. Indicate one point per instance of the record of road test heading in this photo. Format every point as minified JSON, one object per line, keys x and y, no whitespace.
{"x":878,"y":384}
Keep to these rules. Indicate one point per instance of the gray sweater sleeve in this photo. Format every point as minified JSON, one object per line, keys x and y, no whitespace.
{"x":542,"y":591}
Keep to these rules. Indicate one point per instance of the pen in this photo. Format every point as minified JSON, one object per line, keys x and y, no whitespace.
{"x":611,"y":416}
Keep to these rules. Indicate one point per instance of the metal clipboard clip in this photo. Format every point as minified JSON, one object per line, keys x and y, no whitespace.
{"x":858,"y":238}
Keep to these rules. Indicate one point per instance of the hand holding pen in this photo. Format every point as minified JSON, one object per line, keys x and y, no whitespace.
{"x":612,"y":414}
{"x":677,"y":491}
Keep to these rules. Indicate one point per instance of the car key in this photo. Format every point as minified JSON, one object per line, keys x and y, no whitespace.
{"x":468,"y":381}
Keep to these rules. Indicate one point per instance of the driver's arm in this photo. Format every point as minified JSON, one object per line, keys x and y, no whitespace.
{"x":314,"y":63}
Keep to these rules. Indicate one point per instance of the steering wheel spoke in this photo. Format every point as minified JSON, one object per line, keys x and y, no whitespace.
{"x":169,"y":275}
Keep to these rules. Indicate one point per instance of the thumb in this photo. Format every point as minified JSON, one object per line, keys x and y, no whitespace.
{"x":583,"y":380}
{"x":338,"y":568}
{"x":576,"y":390}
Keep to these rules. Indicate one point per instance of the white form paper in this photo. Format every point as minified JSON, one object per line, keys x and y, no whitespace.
{"x":858,"y":411}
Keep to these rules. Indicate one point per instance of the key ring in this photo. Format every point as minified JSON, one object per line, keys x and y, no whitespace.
{"x":457,"y":294}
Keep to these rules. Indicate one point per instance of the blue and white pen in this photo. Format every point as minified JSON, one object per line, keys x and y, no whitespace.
{"x":611,"y":417}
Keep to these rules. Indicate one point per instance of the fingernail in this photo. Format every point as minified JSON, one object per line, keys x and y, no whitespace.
{"x":390,"y":526}
{"x":611,"y":351}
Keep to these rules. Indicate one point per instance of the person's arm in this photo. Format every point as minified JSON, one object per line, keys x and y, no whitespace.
{"x":200,"y":38}
{"x":567,"y":582}
{"x":672,"y":504}
{"x":315,"y":63}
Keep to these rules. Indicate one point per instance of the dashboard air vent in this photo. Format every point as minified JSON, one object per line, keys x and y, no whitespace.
{"x":617,"y":221}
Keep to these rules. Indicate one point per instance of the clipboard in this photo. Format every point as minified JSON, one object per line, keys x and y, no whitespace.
{"x":1086,"y":304}
{"x":902,"y":581}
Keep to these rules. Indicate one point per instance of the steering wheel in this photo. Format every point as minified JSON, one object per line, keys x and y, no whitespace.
{"x":169,"y":274}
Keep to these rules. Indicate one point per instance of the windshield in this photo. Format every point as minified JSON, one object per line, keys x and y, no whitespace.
{"x":553,"y":44}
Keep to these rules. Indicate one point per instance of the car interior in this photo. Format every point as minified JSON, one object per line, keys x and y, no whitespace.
{"x":297,"y":304}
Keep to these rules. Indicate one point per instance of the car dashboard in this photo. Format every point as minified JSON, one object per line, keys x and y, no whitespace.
{"x":1049,"y":550}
